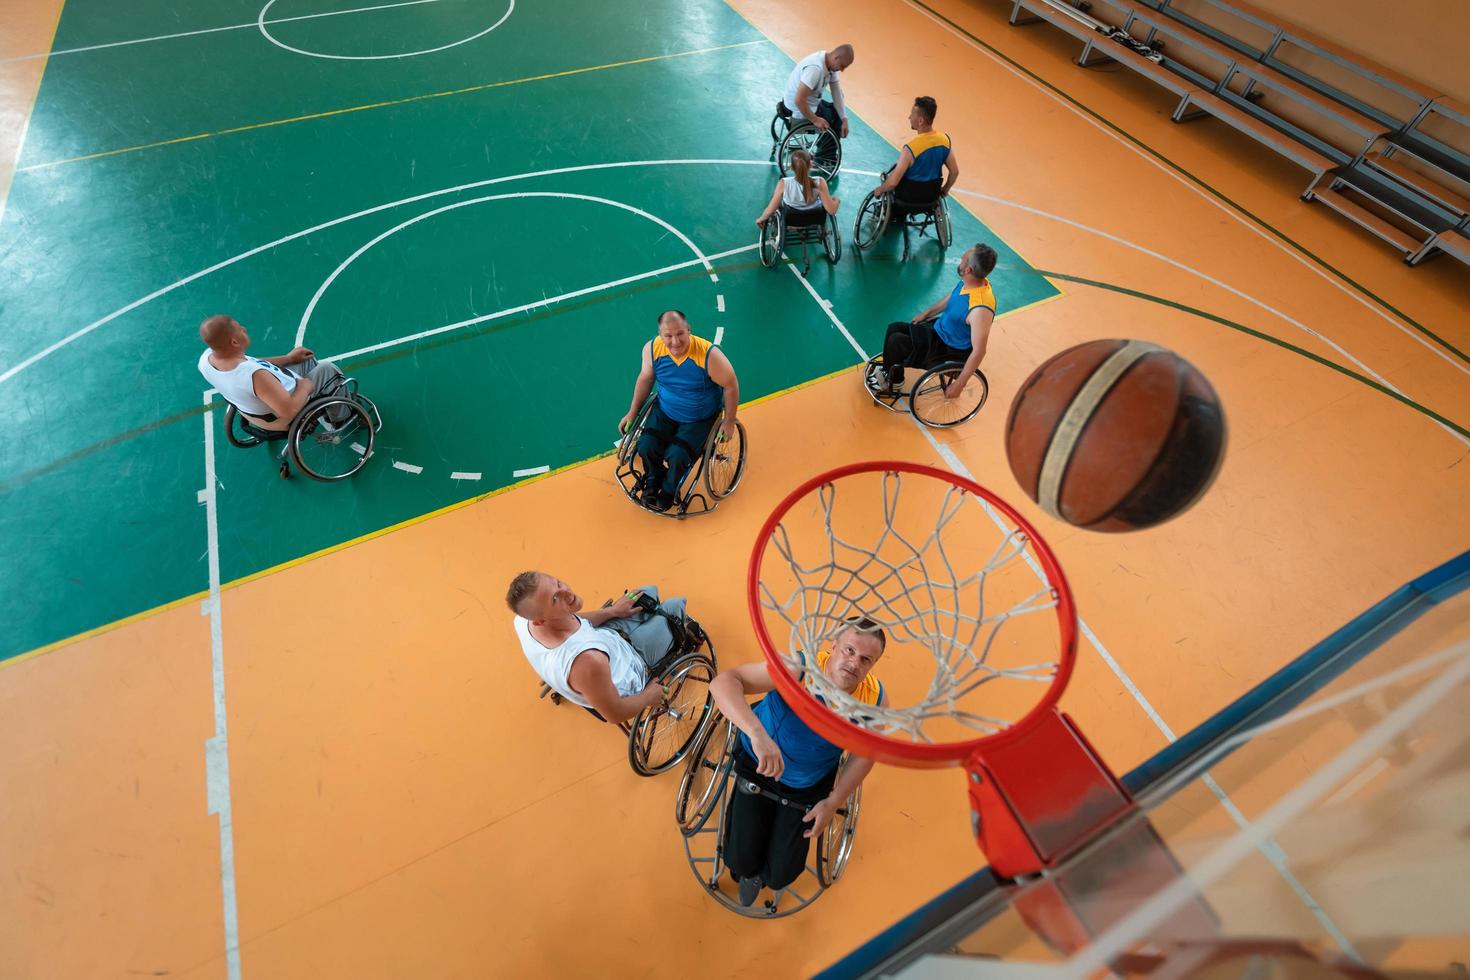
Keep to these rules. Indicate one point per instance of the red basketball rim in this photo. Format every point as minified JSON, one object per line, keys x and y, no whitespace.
{"x":885,"y":748}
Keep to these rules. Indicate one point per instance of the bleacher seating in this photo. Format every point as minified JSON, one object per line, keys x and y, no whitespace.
{"x":1386,"y":152}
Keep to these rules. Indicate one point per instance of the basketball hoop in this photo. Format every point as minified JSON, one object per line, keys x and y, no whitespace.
{"x":980,"y":622}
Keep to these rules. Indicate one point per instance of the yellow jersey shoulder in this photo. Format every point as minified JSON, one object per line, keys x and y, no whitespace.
{"x":927,"y":141}
{"x":699,"y":349}
{"x":982,"y":296}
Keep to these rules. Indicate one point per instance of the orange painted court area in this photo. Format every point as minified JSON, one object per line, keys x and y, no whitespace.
{"x":405,"y":806}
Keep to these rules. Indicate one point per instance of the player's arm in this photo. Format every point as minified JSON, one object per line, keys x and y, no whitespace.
{"x":729,"y":690}
{"x":621,"y":609}
{"x":852,"y":777}
{"x":905,"y":160}
{"x":839,"y":102}
{"x":591,"y":677}
{"x":771,"y":206}
{"x":804,"y":101}
{"x":722,"y":373}
{"x":951,"y":173}
{"x":295,"y":356}
{"x":641,"y":387}
{"x":828,"y":201}
{"x":979,"y":320}
{"x":270,"y":390}
{"x":932,"y":311}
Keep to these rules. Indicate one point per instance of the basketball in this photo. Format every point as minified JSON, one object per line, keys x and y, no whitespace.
{"x":1115,"y":435}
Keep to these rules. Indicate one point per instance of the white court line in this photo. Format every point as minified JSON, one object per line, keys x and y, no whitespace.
{"x":719,"y":335}
{"x":407,"y":467}
{"x":326,"y":283}
{"x":461,"y":475}
{"x":217,"y":749}
{"x":720,"y":303}
{"x":210,"y":30}
{"x":533,"y":471}
{"x":1294,"y":253}
{"x":1274,"y":854}
{"x":546,"y":301}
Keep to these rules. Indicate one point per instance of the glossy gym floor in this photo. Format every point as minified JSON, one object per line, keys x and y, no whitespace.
{"x":269,"y":728}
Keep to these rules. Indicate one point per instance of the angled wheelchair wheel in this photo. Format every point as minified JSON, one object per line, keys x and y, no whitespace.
{"x":942,"y":229}
{"x":237,"y":432}
{"x":331,"y":439}
{"x":661,"y":737}
{"x":628,"y":446}
{"x":832,"y":240}
{"x":823,"y":145}
{"x":773,"y":239}
{"x":872,"y":220}
{"x":835,"y":847}
{"x":724,"y":461}
{"x":928,"y":402}
{"x":705,"y":776}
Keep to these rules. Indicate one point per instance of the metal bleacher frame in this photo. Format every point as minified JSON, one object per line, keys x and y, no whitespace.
{"x":1369,"y":154}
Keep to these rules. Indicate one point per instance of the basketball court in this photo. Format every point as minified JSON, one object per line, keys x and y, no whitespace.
{"x":279,"y":728}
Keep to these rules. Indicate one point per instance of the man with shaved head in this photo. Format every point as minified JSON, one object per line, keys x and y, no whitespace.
{"x":269,"y":391}
{"x":813,"y":74}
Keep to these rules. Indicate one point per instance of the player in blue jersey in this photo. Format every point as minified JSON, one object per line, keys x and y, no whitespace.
{"x":695,"y":380}
{"x":927,"y":166}
{"x":956,"y":328}
{"x":766,"y":842}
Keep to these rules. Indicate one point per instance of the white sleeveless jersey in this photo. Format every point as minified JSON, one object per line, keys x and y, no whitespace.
{"x":237,"y":385}
{"x":554,"y":664}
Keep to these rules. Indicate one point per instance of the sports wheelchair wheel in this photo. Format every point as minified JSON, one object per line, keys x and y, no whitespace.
{"x":872,"y":220}
{"x":832,"y":240}
{"x":724,"y":461}
{"x":835,"y":847}
{"x":929,"y":405}
{"x":702,"y":786}
{"x":942,"y":229}
{"x":662,"y":736}
{"x":329,"y":450}
{"x":773,"y":239}
{"x":823,"y":144}
{"x":240,"y":433}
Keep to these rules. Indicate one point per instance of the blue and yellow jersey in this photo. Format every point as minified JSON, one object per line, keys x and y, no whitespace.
{"x":930,"y":150}
{"x":951,"y":325}
{"x":809,"y":757}
{"x":686,"y":392}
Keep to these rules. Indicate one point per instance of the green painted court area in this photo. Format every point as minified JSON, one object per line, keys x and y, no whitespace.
{"x":438,"y":238}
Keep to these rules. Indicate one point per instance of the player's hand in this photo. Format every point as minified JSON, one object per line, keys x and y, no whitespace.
{"x":822,"y":124}
{"x":844,"y":129}
{"x":955,"y":389}
{"x":626,"y":421}
{"x":300,"y":354}
{"x":656,"y":695}
{"x":624,"y":607}
{"x":919,"y":317}
{"x":727,"y":430}
{"x":768,"y":756}
{"x":819,"y":816}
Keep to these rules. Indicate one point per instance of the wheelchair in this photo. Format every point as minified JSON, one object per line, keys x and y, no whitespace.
{"x":709,"y":776}
{"x":806,"y":226}
{"x":660,"y":737}
{"x":790,"y":132}
{"x":914,"y":206}
{"x":322,"y":449}
{"x":713,"y":476}
{"x":925,"y":399}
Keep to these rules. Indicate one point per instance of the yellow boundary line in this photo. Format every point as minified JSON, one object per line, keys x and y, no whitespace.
{"x":392,"y":102}
{"x":331,"y":549}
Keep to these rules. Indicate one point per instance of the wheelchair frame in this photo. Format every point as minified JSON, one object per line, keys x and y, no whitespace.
{"x":880,"y":209}
{"x":788,"y":135}
{"x":311,"y":423}
{"x":683,"y":663}
{"x":929,"y":381}
{"x":702,"y":490}
{"x":704,"y":844}
{"x":775,"y":231}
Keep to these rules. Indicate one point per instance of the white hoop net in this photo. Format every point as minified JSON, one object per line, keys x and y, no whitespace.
{"x":952,"y":581}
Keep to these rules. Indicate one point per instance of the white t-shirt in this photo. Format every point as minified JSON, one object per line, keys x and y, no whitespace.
{"x":813,"y":71}
{"x":554,"y":664}
{"x":237,"y":385}
{"x":793,"y":196}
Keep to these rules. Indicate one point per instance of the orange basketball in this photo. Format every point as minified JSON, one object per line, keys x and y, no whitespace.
{"x":1115,"y":435}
